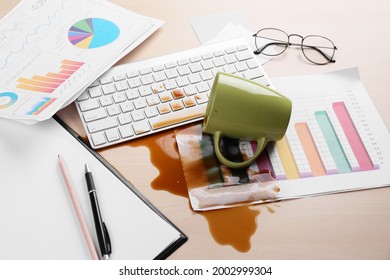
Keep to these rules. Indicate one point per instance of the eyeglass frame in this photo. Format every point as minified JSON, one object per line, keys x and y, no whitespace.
{"x":288,"y":44}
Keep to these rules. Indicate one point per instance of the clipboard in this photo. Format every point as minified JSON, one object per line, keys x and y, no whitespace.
{"x":38,"y":220}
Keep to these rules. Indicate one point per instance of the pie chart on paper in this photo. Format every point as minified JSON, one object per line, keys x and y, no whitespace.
{"x":93,"y":33}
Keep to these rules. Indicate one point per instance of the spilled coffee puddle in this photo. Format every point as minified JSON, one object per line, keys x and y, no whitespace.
{"x":230,"y":226}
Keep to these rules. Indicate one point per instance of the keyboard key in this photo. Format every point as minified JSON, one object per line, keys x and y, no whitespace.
{"x":137,"y":116}
{"x":95,"y":92}
{"x":126,"y":131}
{"x":206,"y":56}
{"x":105,"y":80}
{"x":253,"y":74}
{"x":119,"y":77}
{"x":147,"y":79}
{"x":134,"y":82}
{"x":132,"y":94}
{"x":145,"y":71}
{"x":108,"y":89}
{"x":113,"y":110}
{"x":164,"y":108}
{"x":182,"y":81}
{"x":83,"y":96}
{"x":171,"y":73}
{"x":98,"y":138}
{"x":124,"y":119}
{"x":158,"y":68}
{"x":178,"y":93}
{"x":207,"y":64}
{"x":183,"y":70}
{"x":119,"y":97}
{"x":140,"y":103}
{"x":141,"y":127}
{"x":112,"y":135}
{"x":169,"y":85}
{"x":170,"y":65}
{"x":151,"y":112}
{"x":153,"y":100}
{"x":103,"y":124}
{"x":189,"y":101}
{"x":105,"y":100}
{"x":201,"y":98}
{"x":132,"y":74}
{"x":202,"y":87}
{"x":93,"y":115}
{"x":176,"y":105}
{"x":242,"y":47}
{"x":145,"y":91}
{"x":88,"y":105}
{"x":178,"y":117}
{"x":120,"y":86}
{"x":194,"y":78}
{"x":206,"y":75}
{"x":127,"y":106}
{"x":182,"y":62}
{"x":195,"y":58}
{"x":157,"y":87}
{"x":241,"y":56}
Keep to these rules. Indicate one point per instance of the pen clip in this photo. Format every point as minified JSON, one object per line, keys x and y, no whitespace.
{"x":107,"y":239}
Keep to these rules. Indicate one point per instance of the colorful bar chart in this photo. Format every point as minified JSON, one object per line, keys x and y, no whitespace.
{"x":51,"y":81}
{"x":327,"y":143}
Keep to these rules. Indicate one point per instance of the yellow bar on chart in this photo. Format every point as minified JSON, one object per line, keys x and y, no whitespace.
{"x":287,"y":158}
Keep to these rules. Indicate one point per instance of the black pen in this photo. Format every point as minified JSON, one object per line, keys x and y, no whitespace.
{"x":100,"y":226}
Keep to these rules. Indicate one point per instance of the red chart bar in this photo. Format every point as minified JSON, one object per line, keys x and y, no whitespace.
{"x":263,"y":162}
{"x":353,"y":136}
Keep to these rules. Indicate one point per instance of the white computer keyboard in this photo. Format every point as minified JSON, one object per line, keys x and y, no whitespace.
{"x":137,"y":99}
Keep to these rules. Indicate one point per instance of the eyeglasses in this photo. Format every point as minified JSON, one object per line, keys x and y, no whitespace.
{"x":273,"y":42}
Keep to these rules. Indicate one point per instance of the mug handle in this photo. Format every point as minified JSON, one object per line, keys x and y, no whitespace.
{"x":261,"y":142}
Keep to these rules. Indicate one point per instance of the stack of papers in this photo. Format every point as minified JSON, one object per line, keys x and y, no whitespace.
{"x":50,"y":51}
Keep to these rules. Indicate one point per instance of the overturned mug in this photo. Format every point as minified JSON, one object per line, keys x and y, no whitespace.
{"x":242,"y":109}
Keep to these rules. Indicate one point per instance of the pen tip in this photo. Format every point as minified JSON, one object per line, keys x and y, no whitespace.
{"x":86,"y":168}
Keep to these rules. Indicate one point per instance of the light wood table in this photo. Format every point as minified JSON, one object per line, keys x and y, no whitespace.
{"x":354,"y":225}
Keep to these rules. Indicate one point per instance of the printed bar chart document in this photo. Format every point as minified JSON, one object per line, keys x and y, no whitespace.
{"x":335,"y":142}
{"x":50,"y":51}
{"x":38,"y":218}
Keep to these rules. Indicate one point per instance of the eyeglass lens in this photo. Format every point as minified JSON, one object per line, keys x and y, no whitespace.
{"x":273,"y":42}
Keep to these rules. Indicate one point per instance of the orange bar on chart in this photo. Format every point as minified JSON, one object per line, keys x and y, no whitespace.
{"x":71,"y":62}
{"x":58,"y":75}
{"x":37,"y":83}
{"x":310,"y":149}
{"x":70,"y":67}
{"x":35,"y":88}
{"x":287,"y":158}
{"x":48,"y":79}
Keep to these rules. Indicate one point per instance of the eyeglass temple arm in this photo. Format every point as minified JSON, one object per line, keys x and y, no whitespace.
{"x":329,"y":58}
{"x":259,"y":51}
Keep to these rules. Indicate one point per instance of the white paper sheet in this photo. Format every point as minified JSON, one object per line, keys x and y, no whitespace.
{"x":216,"y":28}
{"x":359,"y":160}
{"x":50,"y":51}
{"x":38,"y":220}
{"x":335,"y":142}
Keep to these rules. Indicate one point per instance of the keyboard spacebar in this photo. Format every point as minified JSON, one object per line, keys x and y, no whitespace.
{"x":174,"y":118}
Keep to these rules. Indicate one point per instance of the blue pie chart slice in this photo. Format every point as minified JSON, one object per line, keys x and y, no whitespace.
{"x":93,"y":33}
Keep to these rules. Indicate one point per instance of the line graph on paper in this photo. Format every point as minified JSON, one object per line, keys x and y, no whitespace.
{"x":328,"y":134}
{"x":31,"y":33}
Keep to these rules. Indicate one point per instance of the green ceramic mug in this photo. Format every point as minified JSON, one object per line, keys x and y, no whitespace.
{"x":242,"y":109}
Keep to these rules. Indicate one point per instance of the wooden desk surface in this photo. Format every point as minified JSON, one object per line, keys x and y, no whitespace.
{"x":353,"y":225}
